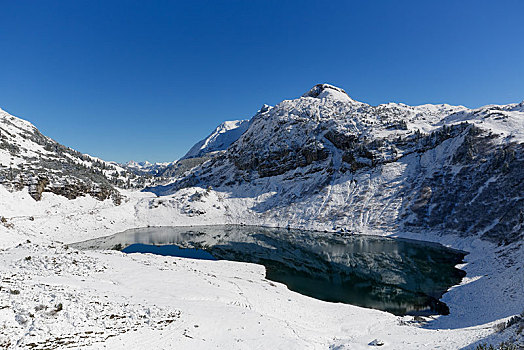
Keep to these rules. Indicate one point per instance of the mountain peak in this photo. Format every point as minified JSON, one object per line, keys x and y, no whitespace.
{"x":327,"y":91}
{"x":264,"y":108}
{"x":220,"y":139}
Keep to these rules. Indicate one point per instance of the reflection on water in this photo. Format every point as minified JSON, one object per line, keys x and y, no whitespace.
{"x":395,"y":275}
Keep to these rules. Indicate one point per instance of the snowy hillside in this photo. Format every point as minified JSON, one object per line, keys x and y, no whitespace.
{"x":30,"y":159}
{"x":326,"y":159}
{"x":220,"y":139}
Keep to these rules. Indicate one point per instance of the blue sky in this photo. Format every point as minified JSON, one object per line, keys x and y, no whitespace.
{"x":147,"y":79}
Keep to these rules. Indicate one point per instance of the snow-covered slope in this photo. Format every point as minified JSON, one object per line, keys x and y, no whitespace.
{"x":220,"y":139}
{"x":55,"y":297}
{"x":327,"y":159}
{"x":30,"y":159}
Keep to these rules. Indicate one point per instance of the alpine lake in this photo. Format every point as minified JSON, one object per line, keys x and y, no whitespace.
{"x":403,"y":277}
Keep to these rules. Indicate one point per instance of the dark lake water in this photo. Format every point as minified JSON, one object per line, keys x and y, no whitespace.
{"x":396,"y":275}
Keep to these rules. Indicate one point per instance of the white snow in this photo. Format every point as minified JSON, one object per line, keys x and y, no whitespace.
{"x":220,"y":139}
{"x":328,"y":91}
{"x":114,"y":300}
{"x":506,"y":121}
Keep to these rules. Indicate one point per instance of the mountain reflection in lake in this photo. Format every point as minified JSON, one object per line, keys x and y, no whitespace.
{"x":395,"y":275}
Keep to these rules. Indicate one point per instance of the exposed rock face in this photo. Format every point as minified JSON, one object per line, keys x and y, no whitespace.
{"x":390,"y":167}
{"x":479,"y":189}
{"x":37,"y":186}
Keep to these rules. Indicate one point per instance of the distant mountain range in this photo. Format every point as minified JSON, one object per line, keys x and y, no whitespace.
{"x":146,"y":167}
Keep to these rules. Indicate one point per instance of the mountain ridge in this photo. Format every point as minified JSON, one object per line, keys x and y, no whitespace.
{"x":397,"y":166}
{"x":224,"y":135}
{"x":321,"y":158}
{"x":30,"y":159}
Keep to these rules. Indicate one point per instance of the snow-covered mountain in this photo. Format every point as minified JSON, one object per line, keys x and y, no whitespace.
{"x":220,"y":139}
{"x":322,"y":158}
{"x":146,"y":167}
{"x":160,"y":173}
{"x":30,"y":159}
{"x":326,"y":158}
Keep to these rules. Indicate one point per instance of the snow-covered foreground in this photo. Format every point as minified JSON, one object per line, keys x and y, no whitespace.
{"x":54,"y":297}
